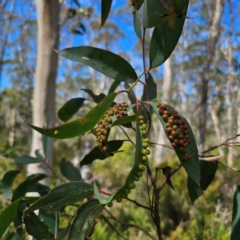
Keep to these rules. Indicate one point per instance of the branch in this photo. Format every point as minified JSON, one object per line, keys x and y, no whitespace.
{"x":139,"y":204}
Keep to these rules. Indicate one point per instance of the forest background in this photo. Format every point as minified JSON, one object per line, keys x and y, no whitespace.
{"x":179,"y":83}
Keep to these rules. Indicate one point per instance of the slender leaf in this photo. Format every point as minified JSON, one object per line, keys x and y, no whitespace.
{"x":150,"y":89}
{"x":84,"y":223}
{"x":114,"y":86}
{"x":108,"y":222}
{"x":27,"y":160}
{"x":62,"y":195}
{"x":69,"y":171}
{"x":70,"y":108}
{"x":7,"y":182}
{"x":8,"y":216}
{"x":39,"y":155}
{"x":191,"y":166}
{"x":137,"y":24}
{"x":105,"y":9}
{"x":100,"y":198}
{"x":108,"y":63}
{"x":124,"y":120}
{"x":96,"y":153}
{"x":96,"y":98}
{"x":194,"y":190}
{"x":236,"y":215}
{"x":22,"y":188}
{"x":46,"y":145}
{"x":81,"y":125}
{"x":49,"y":219}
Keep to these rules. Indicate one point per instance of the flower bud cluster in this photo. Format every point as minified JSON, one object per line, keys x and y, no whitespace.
{"x":176,"y":128}
{"x":104,"y":125}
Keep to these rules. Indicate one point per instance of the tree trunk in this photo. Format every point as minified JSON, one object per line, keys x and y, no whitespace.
{"x":167,"y":80}
{"x":46,"y":71}
{"x":211,"y":43}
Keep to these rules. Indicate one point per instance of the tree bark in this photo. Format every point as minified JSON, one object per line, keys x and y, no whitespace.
{"x":167,"y":80}
{"x":46,"y":71}
{"x":211,"y":43}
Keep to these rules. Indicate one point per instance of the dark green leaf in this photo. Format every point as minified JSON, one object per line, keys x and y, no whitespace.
{"x":108,"y":222}
{"x":137,"y":24}
{"x":164,"y":40}
{"x":150,"y":89}
{"x":207,"y":173}
{"x":62,"y":195}
{"x":105,"y":9}
{"x":40,"y":188}
{"x":191,"y":166}
{"x":7,"y":182}
{"x":70,"y":108}
{"x":8,"y":216}
{"x":96,"y":153}
{"x":27,"y":160}
{"x":100,"y":198}
{"x":63,"y":233}
{"x":137,"y":3}
{"x":69,"y":171}
{"x":124,"y":120}
{"x":236,"y":215}
{"x":131,"y":96}
{"x":84,"y":222}
{"x":96,"y":98}
{"x":114,"y":86}
{"x":39,"y":155}
{"x":156,"y":12}
{"x":49,"y":219}
{"x":34,"y":226}
{"x":22,"y":188}
{"x":108,"y":63}
{"x":9,"y":236}
{"x":81,"y":125}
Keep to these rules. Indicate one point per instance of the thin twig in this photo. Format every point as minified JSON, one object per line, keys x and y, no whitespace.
{"x":127,"y":136}
{"x":129,"y":224}
{"x":139,"y":204}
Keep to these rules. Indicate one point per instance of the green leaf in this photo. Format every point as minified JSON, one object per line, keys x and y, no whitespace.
{"x":164,"y":40}
{"x":137,"y":24}
{"x":84,"y":222}
{"x":46,"y":145}
{"x":191,"y":166}
{"x":108,"y":63}
{"x":39,"y":155}
{"x":96,"y":98}
{"x":105,"y":9}
{"x":132,"y":97}
{"x":69,"y":171}
{"x":108,"y":222}
{"x":207,"y":173}
{"x":96,"y":153}
{"x":114,"y":86}
{"x":150,"y":89}
{"x":70,"y":108}
{"x":62,"y":195}
{"x":100,"y":198}
{"x":8,"y":216}
{"x":236,"y":215}
{"x":40,"y":188}
{"x":7,"y":182}
{"x":124,"y":120}
{"x":22,"y":188}
{"x":81,"y":125}
{"x":156,"y":12}
{"x":49,"y":219}
{"x":34,"y":226}
{"x":27,"y":160}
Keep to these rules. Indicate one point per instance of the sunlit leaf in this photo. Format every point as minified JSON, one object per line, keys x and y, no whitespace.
{"x":62,"y":195}
{"x":27,"y":160}
{"x":81,"y":125}
{"x":96,"y":153}
{"x":236,"y":215}
{"x":83,"y":224}
{"x":22,"y":188}
{"x":7,"y":182}
{"x":96,"y":98}
{"x":192,"y":166}
{"x":137,"y":24}
{"x":108,"y":63}
{"x":105,"y":9}
{"x":69,"y":171}
{"x":102,"y":199}
{"x":70,"y":108}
